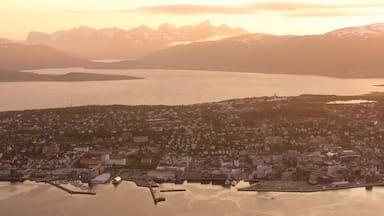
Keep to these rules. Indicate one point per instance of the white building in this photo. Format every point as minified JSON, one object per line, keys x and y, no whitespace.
{"x":101,"y":179}
{"x":116,"y":161}
{"x":263,"y":170}
{"x":81,"y":149}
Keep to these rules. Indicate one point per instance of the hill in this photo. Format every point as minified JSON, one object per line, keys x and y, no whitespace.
{"x":15,"y":76}
{"x":18,"y":57}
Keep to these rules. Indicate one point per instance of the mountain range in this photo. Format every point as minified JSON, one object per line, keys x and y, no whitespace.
{"x":116,"y":43}
{"x":347,"y":52}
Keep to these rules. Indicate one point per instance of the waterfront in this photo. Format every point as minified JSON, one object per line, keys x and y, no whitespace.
{"x":171,"y":87}
{"x":126,"y":199}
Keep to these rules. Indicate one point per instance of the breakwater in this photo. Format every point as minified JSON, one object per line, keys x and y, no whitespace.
{"x":299,"y":187}
{"x":69,"y":190}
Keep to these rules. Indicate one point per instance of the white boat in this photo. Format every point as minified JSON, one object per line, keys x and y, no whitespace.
{"x":117,"y":180}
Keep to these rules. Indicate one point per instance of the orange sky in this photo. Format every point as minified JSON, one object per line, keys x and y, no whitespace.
{"x":17,"y":18}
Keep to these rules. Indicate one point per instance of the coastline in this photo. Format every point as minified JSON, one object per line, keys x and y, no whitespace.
{"x":15,"y":76}
{"x":303,"y":187}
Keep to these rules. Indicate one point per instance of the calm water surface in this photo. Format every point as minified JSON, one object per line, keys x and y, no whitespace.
{"x":39,"y":199}
{"x":170,"y":87}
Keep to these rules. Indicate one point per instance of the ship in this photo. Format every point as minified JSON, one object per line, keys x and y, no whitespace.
{"x":117,"y":180}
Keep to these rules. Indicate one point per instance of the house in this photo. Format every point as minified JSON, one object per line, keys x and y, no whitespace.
{"x":81,"y":149}
{"x":162,"y":175}
{"x":140,"y":139}
{"x":116,"y":162}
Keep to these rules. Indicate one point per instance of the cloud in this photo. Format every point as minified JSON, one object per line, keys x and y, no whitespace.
{"x":86,"y":11}
{"x":251,"y":8}
{"x":337,"y":13}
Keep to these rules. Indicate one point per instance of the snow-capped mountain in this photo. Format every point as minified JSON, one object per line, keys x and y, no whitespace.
{"x":368,"y":31}
{"x":348,"y":52}
{"x":123,"y":44}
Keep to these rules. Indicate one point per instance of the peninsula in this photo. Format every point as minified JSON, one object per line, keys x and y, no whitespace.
{"x":15,"y":76}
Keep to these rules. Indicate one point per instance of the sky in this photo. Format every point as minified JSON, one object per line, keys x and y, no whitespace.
{"x":18,"y":17}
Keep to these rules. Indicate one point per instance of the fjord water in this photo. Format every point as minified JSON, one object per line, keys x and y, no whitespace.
{"x":171,"y":87}
{"x":34,"y":199}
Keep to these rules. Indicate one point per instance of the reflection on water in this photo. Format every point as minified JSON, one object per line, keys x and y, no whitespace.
{"x":127,"y":199}
{"x":171,"y":87}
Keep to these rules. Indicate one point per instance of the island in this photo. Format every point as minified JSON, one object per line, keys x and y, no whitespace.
{"x":307,"y":143}
{"x":16,"y":76}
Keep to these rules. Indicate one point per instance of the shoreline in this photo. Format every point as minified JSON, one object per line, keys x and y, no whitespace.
{"x":303,"y":187}
{"x":16,"y":76}
{"x":274,"y":186}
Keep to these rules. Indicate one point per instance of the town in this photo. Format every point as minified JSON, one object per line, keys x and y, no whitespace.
{"x":318,"y":141}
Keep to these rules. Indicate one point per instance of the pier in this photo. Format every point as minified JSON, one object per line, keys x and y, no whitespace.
{"x":173,"y":190}
{"x":69,"y":190}
{"x":155,"y":199}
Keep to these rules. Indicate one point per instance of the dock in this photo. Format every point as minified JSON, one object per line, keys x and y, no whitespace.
{"x":155,"y":199}
{"x":70,"y":191}
{"x":172,"y":190}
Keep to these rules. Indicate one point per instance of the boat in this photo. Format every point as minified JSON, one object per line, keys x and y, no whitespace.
{"x":230,"y":183}
{"x":227,"y":183}
{"x":117,"y":180}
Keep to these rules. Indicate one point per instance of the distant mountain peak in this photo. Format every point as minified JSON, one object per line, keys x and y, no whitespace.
{"x":372,"y":30}
{"x":142,"y":27}
{"x":205,"y":23}
{"x":166,"y":26}
{"x":82,"y":28}
{"x":119,"y":43}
